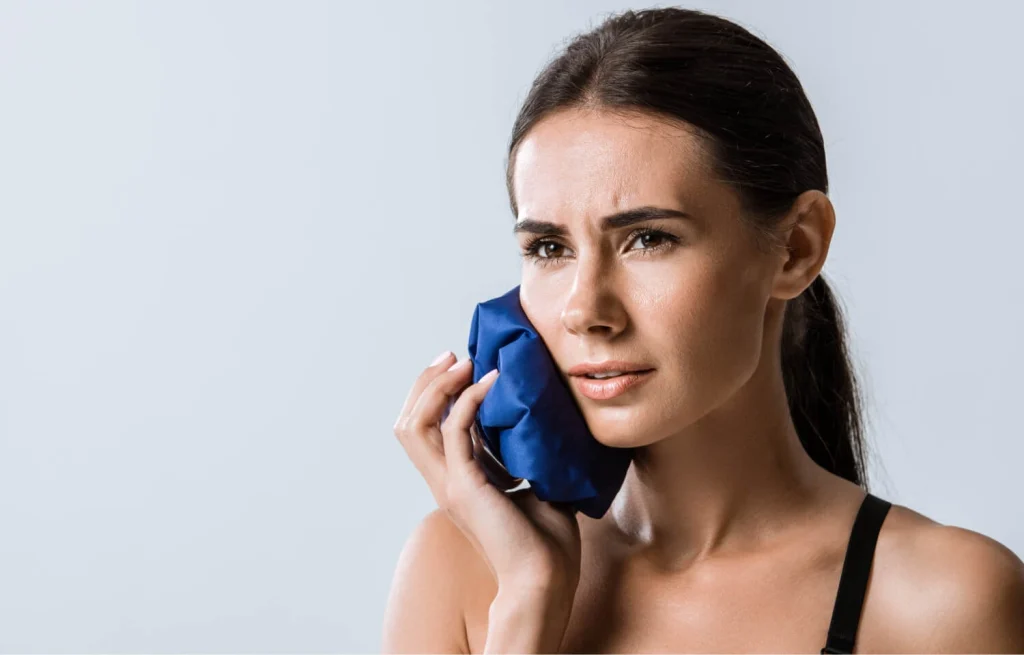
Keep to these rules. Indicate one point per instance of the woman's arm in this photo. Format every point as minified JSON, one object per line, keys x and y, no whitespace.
{"x":522,"y":541}
{"x":525,"y":620}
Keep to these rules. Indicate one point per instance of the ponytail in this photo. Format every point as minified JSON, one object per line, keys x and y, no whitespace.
{"x":824,"y":399}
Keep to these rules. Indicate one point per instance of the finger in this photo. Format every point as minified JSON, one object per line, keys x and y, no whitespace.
{"x":438,"y":366}
{"x":458,"y":446}
{"x":426,"y":454}
{"x":426,"y":412}
{"x":420,"y":432}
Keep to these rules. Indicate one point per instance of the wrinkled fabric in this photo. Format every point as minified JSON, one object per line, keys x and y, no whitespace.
{"x":529,"y":419}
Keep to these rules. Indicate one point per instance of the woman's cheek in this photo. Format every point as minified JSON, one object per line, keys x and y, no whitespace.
{"x":733,"y":330}
{"x":539,"y":298}
{"x":715,"y":330}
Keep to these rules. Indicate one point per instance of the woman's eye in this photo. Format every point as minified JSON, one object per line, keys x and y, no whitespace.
{"x":548,"y":249}
{"x":543,"y":250}
{"x":647,"y":238}
{"x":653,"y":239}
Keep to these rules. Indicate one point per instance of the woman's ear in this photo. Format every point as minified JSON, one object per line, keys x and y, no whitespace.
{"x":806,"y":238}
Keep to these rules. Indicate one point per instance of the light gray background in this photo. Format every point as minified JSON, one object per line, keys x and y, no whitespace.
{"x":232,"y":233}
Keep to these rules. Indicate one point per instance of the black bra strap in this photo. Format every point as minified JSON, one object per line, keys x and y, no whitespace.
{"x":853,"y":580}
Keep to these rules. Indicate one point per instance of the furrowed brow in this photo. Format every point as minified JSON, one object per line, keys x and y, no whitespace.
{"x":612,"y":222}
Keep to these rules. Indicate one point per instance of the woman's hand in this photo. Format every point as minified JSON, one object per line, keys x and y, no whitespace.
{"x":531,"y":547}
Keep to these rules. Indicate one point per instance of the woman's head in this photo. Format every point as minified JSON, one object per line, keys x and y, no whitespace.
{"x":672,"y":109}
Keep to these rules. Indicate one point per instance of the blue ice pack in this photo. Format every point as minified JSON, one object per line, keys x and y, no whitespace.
{"x":529,"y":419}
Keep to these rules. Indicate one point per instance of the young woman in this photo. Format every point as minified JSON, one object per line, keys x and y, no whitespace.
{"x":743,"y":523}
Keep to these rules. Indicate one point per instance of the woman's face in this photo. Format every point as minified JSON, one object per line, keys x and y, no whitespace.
{"x":684,"y":297}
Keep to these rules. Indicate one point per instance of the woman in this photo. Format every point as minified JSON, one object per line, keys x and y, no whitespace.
{"x":745,"y":505}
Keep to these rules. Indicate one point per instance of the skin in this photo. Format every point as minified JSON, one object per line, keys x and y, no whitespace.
{"x":726,"y":536}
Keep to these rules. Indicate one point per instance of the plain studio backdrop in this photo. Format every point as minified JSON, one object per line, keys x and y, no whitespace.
{"x":233,"y":233}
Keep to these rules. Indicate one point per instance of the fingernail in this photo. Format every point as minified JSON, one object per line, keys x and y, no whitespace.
{"x":491,"y":374}
{"x":461,"y":364}
{"x":440,"y":358}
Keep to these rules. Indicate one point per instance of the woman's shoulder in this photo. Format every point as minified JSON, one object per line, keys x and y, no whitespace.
{"x":440,"y":592}
{"x":937,"y":587}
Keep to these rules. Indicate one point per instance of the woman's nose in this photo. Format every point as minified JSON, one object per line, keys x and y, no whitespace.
{"x":593,"y":306}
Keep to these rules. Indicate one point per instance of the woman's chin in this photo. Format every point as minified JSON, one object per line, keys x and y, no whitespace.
{"x":627,"y":433}
{"x":638,"y":425}
{"x":624,"y":442}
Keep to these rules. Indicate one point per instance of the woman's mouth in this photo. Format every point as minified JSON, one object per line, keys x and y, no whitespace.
{"x":604,"y":388}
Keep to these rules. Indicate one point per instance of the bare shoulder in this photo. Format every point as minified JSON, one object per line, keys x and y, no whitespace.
{"x":942,"y":588}
{"x":438,"y":583}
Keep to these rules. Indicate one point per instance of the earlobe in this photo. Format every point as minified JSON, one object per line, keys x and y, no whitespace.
{"x":811,"y":222}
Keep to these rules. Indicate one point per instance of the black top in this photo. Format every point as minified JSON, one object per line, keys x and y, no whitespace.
{"x":853,"y":581}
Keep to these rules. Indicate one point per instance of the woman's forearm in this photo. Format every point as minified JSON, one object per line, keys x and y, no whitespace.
{"x":527,"y":622}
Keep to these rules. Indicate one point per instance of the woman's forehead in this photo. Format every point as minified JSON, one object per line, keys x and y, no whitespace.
{"x":591,"y":163}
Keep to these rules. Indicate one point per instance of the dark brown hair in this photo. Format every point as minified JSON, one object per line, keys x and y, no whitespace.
{"x":763,"y":138}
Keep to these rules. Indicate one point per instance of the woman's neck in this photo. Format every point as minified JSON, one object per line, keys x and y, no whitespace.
{"x":730,"y":482}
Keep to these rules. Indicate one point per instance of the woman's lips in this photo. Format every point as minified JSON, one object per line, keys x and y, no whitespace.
{"x":609,"y":387}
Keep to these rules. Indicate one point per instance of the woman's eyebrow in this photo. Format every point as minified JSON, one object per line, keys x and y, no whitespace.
{"x":611,"y":222}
